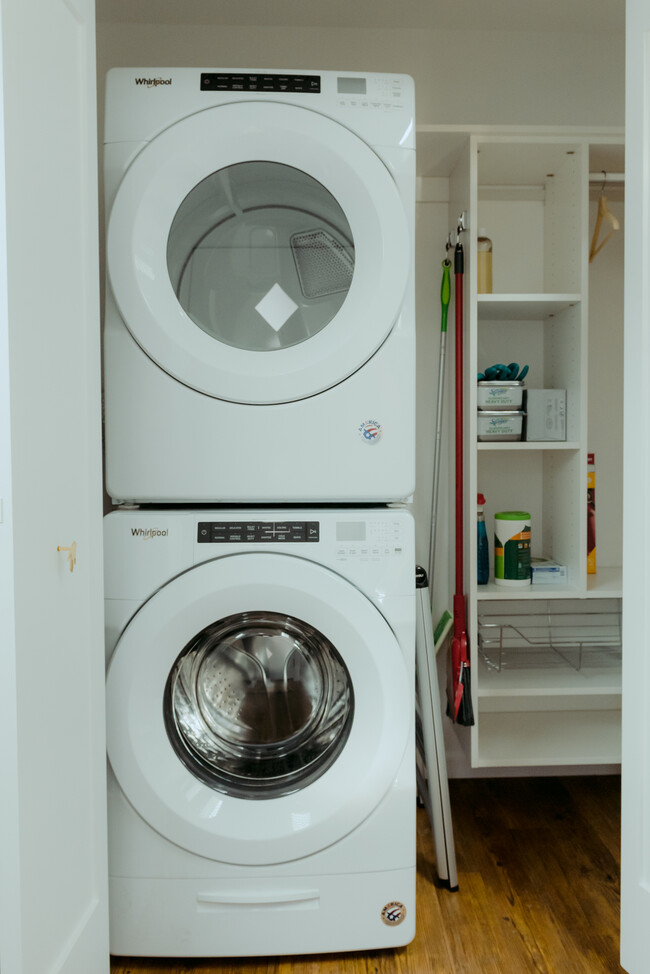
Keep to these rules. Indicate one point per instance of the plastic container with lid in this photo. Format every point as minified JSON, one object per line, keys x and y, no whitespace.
{"x":499,"y":425}
{"x":499,"y":394}
{"x":512,"y":549}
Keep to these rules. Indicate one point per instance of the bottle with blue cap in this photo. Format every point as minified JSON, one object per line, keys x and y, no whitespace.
{"x":482,"y":551}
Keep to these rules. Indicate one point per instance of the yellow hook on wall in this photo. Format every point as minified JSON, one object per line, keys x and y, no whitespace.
{"x":72,"y":554}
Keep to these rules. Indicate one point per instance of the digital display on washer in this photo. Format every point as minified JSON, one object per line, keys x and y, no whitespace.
{"x":251,"y":532}
{"x":351,"y":86}
{"x":220,"y":81}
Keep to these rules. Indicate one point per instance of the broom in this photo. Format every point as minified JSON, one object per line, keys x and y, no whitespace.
{"x":459,"y":704}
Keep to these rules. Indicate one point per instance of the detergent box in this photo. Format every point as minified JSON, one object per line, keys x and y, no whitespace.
{"x":591,"y":514}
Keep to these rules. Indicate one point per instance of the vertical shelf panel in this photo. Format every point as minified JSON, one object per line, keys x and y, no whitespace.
{"x":564,"y":517}
{"x":563,"y":221}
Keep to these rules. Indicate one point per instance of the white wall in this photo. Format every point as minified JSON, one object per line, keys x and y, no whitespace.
{"x":477,"y":77}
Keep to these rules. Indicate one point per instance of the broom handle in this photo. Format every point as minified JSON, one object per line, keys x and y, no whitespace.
{"x":445,"y":295}
{"x":459,"y":268}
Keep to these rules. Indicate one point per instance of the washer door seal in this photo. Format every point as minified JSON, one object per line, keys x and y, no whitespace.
{"x":258,"y":705}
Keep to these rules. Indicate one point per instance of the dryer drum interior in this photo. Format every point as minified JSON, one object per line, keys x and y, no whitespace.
{"x":260,"y":256}
{"x":258,"y":705}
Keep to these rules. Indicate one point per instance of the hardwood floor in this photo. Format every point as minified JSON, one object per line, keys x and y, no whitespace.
{"x":538,"y":866}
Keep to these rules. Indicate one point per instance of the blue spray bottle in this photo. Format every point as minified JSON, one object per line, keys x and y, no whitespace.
{"x":482,"y":551}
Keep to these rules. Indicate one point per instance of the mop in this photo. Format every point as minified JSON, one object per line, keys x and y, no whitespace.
{"x":445,"y":295}
{"x":435,"y":789}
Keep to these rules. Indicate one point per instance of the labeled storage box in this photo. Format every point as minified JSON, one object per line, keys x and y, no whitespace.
{"x":499,"y":424}
{"x":499,"y":394}
{"x":545,"y":414}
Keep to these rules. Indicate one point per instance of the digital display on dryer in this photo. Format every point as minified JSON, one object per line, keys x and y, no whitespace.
{"x":351,"y":86}
{"x":221,"y":81}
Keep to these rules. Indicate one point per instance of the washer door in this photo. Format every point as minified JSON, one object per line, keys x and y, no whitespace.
{"x":258,"y":253}
{"x":258,"y":709}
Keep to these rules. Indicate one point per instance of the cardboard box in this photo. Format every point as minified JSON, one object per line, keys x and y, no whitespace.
{"x":545,"y":414}
{"x":546,"y":571}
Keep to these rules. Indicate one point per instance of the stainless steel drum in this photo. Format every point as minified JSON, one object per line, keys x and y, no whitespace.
{"x":258,"y":704}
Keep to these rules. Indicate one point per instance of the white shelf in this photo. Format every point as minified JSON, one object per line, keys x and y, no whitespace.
{"x":539,"y":738}
{"x":501,"y":593}
{"x":523,"y":445}
{"x":607,"y":583}
{"x":523,"y":307}
{"x":555,"y":680}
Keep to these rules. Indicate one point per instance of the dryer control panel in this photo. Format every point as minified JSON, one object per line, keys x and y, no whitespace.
{"x":228,"y":81}
{"x":254,"y":532}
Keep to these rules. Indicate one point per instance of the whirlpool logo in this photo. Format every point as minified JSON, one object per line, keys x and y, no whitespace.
{"x":153,"y":82}
{"x":149,"y":532}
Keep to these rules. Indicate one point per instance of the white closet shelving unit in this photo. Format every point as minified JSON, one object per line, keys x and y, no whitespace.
{"x":530,"y":190}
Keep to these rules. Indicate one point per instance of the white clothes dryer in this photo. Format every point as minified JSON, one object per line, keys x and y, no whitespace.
{"x":259,"y":326}
{"x":260,"y":731}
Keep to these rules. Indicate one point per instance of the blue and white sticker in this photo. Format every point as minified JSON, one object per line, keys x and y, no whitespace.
{"x":393,"y":913}
{"x":371,"y":431}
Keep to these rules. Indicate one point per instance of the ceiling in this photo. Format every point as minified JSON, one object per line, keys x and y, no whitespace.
{"x":584,"y":16}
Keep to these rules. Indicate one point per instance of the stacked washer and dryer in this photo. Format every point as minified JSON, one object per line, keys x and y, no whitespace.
{"x":260,"y":595}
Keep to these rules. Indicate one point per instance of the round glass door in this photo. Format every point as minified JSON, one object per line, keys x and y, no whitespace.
{"x":260,"y":256}
{"x":255,"y":735}
{"x":258,"y":705}
{"x":247,"y":229}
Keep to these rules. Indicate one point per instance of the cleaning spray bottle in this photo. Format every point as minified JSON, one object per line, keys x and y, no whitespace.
{"x":482,"y":552}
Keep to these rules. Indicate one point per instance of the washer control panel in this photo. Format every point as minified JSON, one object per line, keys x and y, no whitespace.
{"x":220,"y":81}
{"x":254,"y":532}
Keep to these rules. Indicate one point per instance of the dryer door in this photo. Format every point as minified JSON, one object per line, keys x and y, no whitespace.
{"x":259,"y":253}
{"x":259,"y":707}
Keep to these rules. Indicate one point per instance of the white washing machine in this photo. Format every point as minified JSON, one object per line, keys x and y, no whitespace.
{"x":260,"y":730}
{"x":259,"y":327}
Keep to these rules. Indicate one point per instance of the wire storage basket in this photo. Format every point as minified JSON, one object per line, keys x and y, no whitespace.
{"x":539,"y":635}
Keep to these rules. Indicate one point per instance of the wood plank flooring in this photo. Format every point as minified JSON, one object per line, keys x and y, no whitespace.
{"x":538,"y":867}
